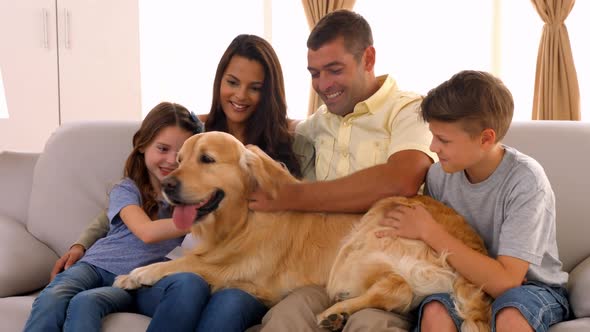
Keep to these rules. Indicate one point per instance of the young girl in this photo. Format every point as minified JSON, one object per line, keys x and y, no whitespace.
{"x":141,"y":231}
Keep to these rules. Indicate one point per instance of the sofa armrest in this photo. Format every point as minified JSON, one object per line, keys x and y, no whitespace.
{"x":25,"y":263}
{"x":579,"y":289}
{"x":16,"y":177}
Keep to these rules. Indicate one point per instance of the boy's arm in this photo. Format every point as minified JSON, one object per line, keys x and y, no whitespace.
{"x":495,"y":276}
{"x":402,"y":174}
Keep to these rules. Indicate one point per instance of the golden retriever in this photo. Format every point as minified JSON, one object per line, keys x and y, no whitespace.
{"x":271,"y":254}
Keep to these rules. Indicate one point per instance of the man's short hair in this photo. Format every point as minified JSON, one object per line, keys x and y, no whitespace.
{"x":476,"y":99}
{"x":343,"y":23}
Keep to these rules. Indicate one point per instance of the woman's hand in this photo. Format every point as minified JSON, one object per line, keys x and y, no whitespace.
{"x":68,"y":259}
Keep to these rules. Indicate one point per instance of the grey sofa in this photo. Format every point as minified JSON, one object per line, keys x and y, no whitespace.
{"x":47,"y":199}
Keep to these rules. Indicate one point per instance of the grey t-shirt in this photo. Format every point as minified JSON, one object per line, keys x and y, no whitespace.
{"x":513,"y":210}
{"x":121,"y":251}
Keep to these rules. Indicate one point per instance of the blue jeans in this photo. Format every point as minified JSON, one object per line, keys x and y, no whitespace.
{"x":77,"y":300}
{"x":541,"y":305}
{"x":182,"y":302}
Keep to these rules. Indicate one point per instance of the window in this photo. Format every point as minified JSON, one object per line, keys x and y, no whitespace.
{"x":420,"y":43}
{"x":578,"y":24}
{"x":3,"y":107}
{"x":520,"y":34}
{"x":181,"y":44}
{"x":420,"y":47}
{"x":289,"y":39}
{"x":423,"y":42}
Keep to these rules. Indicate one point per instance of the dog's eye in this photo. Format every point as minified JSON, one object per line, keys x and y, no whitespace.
{"x":206,"y":159}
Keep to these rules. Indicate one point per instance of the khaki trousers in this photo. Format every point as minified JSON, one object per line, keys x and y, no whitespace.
{"x":297,"y":313}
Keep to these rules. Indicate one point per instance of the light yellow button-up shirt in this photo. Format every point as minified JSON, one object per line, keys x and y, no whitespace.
{"x":388,"y":122}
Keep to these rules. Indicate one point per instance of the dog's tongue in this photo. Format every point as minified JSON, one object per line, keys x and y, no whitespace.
{"x":184,"y":215}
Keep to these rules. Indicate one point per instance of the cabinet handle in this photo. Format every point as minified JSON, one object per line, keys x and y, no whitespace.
{"x":45,"y":29}
{"x":67,"y":28}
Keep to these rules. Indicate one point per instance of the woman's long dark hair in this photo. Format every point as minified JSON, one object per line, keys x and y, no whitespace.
{"x":163,"y":115}
{"x":267,"y":127}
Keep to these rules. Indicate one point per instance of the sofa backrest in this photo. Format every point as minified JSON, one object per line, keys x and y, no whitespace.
{"x":72,"y":177}
{"x":16,"y":183}
{"x":563,"y":149}
{"x":81,"y":161}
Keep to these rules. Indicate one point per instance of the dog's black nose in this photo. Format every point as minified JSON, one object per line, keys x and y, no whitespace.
{"x":170,"y":185}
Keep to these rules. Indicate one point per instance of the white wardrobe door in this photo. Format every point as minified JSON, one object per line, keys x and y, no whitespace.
{"x":28,"y":63}
{"x":99,"y":60}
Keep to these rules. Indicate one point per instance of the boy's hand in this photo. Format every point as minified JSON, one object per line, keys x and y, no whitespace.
{"x":407,"y":222}
{"x":68,"y":259}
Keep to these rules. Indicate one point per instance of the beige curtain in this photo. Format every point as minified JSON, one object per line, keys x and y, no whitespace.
{"x":557,"y":94}
{"x":314,"y":11}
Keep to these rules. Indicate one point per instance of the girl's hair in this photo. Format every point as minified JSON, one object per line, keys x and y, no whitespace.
{"x":267,"y":127}
{"x":163,"y":115}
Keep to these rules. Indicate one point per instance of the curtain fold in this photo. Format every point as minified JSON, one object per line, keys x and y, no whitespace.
{"x":314,"y":11}
{"x":557,"y":93}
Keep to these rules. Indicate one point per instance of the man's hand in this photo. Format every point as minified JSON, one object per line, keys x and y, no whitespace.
{"x":261,"y":201}
{"x":68,"y":259}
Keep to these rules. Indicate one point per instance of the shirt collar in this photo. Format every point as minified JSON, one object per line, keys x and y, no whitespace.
{"x":374,"y":103}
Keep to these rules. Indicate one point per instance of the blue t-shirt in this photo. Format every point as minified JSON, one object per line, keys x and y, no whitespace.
{"x":121,"y":251}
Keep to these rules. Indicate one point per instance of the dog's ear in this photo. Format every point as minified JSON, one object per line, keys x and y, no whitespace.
{"x":266,"y":172}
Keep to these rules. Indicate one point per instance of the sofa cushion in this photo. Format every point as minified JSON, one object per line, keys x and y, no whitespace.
{"x":579,"y":289}
{"x":25,"y":261}
{"x":14,"y":312}
{"x":72,"y":177}
{"x":126,"y":321}
{"x":577,"y":325}
{"x":563,"y":149}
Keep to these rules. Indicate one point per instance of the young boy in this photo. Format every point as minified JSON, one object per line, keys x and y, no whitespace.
{"x":504,"y":195}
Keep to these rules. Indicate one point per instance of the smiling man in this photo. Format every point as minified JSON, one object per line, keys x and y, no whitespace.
{"x":370,"y":143}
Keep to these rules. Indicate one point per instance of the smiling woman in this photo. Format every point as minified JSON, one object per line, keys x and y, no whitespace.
{"x":239,"y":93}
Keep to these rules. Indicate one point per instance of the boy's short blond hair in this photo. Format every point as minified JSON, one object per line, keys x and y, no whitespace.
{"x":476,"y":99}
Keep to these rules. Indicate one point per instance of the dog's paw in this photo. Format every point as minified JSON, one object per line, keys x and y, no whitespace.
{"x":126,"y":281}
{"x":332,"y":322}
{"x":141,"y":276}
